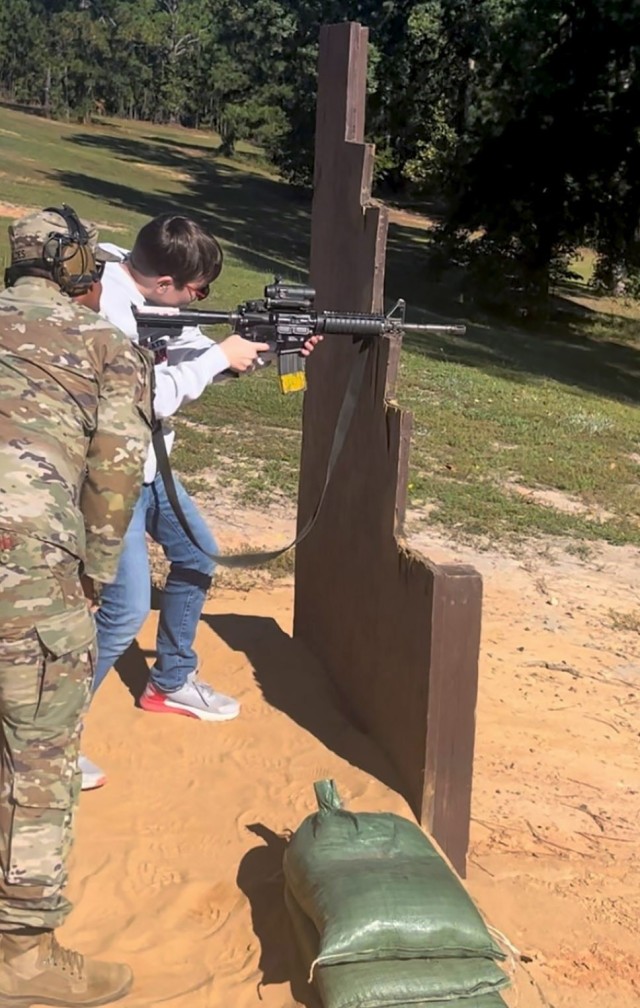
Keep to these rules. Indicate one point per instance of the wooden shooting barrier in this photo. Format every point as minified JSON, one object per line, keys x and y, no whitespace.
{"x":398,"y":635}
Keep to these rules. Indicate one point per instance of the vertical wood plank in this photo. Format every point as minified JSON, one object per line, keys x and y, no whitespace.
{"x":398,"y":635}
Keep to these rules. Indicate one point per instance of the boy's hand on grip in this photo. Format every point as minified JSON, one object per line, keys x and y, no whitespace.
{"x":241,"y":353}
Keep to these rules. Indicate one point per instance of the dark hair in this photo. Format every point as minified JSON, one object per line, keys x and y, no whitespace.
{"x":175,"y":246}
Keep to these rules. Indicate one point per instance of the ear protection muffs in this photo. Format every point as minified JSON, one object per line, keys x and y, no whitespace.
{"x":68,"y":256}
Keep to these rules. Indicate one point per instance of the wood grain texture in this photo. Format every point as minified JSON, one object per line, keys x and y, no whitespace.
{"x":398,"y":635}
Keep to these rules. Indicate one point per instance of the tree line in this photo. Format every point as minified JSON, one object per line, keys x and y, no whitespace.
{"x":519,"y":118}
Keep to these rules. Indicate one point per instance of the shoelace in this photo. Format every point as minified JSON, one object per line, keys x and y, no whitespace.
{"x":207,"y":693}
{"x":204,"y":691}
{"x":66,"y":959}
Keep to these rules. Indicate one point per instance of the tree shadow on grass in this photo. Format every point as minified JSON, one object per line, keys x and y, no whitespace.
{"x":266,"y":223}
{"x":562,"y":349}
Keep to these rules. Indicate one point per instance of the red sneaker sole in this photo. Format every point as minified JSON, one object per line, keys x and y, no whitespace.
{"x":161,"y":708}
{"x":98,"y":784}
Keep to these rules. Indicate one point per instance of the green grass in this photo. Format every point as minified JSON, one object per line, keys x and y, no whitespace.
{"x":551,"y":407}
{"x":476,"y":432}
{"x":120,"y":173}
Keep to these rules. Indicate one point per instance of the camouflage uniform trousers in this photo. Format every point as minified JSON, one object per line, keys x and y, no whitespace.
{"x":47,"y":655}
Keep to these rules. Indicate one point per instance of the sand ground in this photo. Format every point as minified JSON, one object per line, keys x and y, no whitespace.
{"x":176,"y":868}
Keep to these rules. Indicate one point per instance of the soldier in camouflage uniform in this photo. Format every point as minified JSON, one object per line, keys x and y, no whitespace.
{"x":75,"y":417}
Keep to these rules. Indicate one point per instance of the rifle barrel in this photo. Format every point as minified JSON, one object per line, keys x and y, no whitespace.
{"x":457,"y":330}
{"x":331,"y":323}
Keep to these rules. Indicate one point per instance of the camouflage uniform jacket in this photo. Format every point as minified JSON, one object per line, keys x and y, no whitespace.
{"x":75,"y":419}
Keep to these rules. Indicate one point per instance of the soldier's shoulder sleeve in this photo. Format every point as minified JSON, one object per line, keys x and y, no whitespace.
{"x":117,"y":450}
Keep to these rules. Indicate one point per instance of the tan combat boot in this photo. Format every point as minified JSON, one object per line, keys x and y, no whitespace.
{"x":34,"y":969}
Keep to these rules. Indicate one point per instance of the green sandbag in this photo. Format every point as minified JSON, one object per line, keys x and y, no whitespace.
{"x":392,"y":983}
{"x":376,"y":888}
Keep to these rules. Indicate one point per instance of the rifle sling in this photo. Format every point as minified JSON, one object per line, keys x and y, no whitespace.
{"x":343,"y":423}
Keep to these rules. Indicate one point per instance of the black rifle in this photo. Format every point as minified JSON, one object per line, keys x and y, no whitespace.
{"x":284,"y":318}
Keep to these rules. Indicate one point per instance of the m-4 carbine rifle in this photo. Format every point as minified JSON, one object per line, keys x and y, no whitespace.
{"x":285,"y":319}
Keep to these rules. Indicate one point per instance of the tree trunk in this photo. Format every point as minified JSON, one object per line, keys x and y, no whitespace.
{"x":47,"y":93}
{"x":616,"y":276}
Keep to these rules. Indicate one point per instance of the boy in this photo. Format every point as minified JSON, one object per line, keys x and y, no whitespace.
{"x":172,"y":263}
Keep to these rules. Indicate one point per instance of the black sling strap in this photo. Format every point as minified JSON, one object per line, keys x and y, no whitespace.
{"x":343,"y":423}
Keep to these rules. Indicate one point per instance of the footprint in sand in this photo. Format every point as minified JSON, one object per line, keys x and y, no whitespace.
{"x":254,"y":754}
{"x":214,"y":907}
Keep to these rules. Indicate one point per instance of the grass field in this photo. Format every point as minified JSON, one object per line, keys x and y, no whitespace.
{"x":517,"y":431}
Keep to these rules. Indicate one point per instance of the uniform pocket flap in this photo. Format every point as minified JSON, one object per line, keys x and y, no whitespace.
{"x":41,"y":789}
{"x":72,"y":630}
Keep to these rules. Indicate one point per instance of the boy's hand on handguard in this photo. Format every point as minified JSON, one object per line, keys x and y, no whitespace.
{"x":242,"y":353}
{"x":310,"y":345}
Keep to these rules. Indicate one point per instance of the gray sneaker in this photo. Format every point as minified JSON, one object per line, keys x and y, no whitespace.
{"x":195,"y":699}
{"x":92,"y":776}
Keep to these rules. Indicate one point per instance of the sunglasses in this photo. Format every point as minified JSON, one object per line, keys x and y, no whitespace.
{"x":99,"y":269}
{"x":198,"y":293}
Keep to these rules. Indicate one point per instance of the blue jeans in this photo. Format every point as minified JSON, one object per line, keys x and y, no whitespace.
{"x":126,"y":603}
